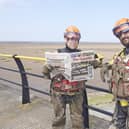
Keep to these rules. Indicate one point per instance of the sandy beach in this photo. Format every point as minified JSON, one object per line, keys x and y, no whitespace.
{"x":33,"y":66}
{"x":38,"y":49}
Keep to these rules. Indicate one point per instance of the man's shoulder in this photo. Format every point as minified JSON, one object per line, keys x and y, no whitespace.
{"x":121,"y":53}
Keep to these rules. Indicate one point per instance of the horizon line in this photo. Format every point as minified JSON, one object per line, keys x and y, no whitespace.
{"x":53,"y":42}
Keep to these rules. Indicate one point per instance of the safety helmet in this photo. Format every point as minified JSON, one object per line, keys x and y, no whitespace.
{"x":73,"y":31}
{"x":121,"y":25}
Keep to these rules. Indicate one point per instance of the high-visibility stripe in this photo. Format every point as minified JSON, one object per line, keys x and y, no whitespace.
{"x":124,"y":103}
{"x":24,"y":57}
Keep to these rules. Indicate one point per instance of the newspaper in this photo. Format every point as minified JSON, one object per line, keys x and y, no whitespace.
{"x":76,"y":66}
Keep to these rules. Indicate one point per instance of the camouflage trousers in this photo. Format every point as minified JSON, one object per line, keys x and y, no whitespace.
{"x":120,"y":118}
{"x":75,"y":102}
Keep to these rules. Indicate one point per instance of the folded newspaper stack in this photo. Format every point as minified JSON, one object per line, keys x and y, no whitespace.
{"x":74,"y":66}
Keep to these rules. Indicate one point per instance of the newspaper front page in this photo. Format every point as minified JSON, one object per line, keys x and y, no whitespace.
{"x":76,"y":66}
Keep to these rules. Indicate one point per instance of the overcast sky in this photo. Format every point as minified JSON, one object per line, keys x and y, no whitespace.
{"x":46,"y":20}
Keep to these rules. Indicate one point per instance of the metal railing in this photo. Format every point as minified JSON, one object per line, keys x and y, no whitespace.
{"x":25,"y":86}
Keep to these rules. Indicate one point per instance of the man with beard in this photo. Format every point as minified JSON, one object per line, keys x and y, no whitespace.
{"x":119,"y":82}
{"x":75,"y":95}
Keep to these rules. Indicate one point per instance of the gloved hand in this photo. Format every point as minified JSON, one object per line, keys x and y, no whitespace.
{"x":104,"y":71}
{"x":97,"y":63}
{"x":46,"y":71}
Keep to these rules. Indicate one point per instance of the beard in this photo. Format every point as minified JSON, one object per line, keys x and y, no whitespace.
{"x":125,"y":42}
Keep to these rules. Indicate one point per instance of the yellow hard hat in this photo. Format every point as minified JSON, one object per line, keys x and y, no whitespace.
{"x":121,"y":25}
{"x":72,"y":30}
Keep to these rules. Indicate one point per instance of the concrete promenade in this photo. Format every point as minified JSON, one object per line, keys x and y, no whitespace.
{"x":36,"y":115}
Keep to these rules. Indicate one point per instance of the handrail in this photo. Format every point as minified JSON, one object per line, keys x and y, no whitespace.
{"x":17,"y":71}
{"x":24,"y":57}
{"x":25,"y":86}
{"x":98,"y":89}
{"x":18,"y":84}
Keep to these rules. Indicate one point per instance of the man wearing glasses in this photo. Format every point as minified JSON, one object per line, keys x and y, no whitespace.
{"x":75,"y":96}
{"x":119,"y":83}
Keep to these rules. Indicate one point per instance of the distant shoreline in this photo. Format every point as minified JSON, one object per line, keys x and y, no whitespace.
{"x":54,"y":42}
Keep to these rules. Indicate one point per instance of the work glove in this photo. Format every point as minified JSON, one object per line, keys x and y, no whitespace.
{"x":97,"y":63}
{"x":47,"y":69}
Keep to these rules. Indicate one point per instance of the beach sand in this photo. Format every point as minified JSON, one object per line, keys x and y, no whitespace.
{"x":37,"y":50}
{"x":33,"y":66}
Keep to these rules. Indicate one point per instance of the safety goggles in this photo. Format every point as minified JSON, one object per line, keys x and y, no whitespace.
{"x":72,"y":35}
{"x":72,"y":39}
{"x":123,"y":28}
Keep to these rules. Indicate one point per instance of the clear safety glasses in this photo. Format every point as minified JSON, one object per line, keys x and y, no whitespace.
{"x":121,"y":29}
{"x":72,"y":36}
{"x":72,"y":39}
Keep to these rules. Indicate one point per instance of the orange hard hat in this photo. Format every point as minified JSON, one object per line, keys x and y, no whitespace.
{"x":121,"y":25}
{"x":121,"y":21}
{"x":72,"y":30}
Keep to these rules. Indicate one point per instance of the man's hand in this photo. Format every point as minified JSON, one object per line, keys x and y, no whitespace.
{"x":97,"y":63}
{"x":46,"y":71}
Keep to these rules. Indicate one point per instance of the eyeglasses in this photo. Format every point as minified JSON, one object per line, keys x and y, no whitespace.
{"x":72,"y":34}
{"x":72,"y":39}
{"x":121,"y":29}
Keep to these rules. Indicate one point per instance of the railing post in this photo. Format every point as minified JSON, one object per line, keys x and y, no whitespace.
{"x":85,"y":110}
{"x":25,"y":87}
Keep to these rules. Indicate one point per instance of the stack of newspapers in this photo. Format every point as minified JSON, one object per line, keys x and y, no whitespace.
{"x":76,"y":66}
